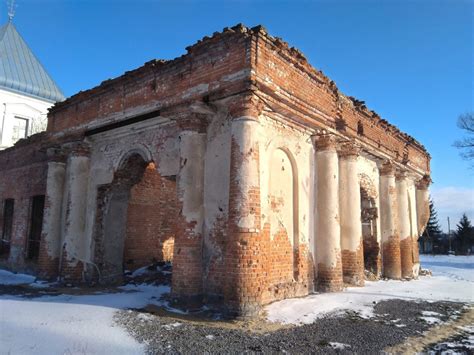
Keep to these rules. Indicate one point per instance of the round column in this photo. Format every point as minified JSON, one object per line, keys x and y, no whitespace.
{"x":406,"y":245}
{"x":245,"y":249}
{"x":50,"y":248}
{"x":350,"y":209}
{"x":423,"y":203}
{"x":388,"y":223}
{"x":328,"y":231}
{"x":413,"y":225}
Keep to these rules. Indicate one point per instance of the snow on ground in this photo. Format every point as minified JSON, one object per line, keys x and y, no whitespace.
{"x":9,"y":278}
{"x":70,"y":324}
{"x":84,"y":323}
{"x":452,"y":280}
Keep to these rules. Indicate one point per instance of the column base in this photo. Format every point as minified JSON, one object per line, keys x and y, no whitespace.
{"x":330,"y":278}
{"x":406,"y":256}
{"x":416,"y":270}
{"x":353,"y":267}
{"x":391,"y":258}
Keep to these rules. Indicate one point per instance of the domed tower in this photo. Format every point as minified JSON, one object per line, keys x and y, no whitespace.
{"x":26,"y":89}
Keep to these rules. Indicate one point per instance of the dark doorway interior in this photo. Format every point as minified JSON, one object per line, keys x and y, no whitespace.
{"x":36,"y":227}
{"x":8,"y":207}
{"x":369,"y":233}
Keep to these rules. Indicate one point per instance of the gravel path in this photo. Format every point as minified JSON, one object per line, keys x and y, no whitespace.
{"x":394,"y":321}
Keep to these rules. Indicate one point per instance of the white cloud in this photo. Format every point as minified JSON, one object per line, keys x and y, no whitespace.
{"x":452,"y":202}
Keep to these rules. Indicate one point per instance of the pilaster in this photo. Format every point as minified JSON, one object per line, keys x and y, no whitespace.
{"x":187,"y":258}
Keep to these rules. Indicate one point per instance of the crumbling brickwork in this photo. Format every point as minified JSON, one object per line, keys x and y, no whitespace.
{"x":220,"y":160}
{"x":151,"y":220}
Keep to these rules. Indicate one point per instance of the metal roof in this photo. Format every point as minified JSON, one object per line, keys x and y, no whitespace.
{"x":20,"y":70}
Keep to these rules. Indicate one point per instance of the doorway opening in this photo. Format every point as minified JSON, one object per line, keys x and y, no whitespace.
{"x":372,"y":262}
{"x":135,"y":222}
{"x":36,"y":227}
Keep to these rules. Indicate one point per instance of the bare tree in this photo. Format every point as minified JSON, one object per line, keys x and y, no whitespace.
{"x":466,"y":145}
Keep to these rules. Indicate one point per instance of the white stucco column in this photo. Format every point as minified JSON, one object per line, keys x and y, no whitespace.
{"x":406,"y":244}
{"x":74,"y":212}
{"x":423,"y":203}
{"x":245,"y":251}
{"x":328,"y":231}
{"x":244,"y":203}
{"x":388,"y":223}
{"x":51,"y":234}
{"x":187,"y":258}
{"x":413,"y":224}
{"x":350,"y":210}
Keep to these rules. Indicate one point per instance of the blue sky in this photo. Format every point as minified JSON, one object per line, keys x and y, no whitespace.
{"x":411,"y":61}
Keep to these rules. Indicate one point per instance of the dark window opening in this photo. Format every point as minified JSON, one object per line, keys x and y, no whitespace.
{"x":36,"y":227}
{"x":7,"y":226}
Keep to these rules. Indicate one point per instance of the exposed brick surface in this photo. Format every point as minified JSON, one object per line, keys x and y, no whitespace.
{"x":415,"y":251}
{"x":391,"y":258}
{"x":151,"y":220}
{"x":22,"y":175}
{"x":330,"y":279}
{"x":372,"y":257}
{"x":353,"y":266}
{"x":406,"y":256}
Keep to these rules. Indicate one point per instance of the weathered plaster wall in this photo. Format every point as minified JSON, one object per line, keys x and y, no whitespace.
{"x":286,"y":187}
{"x":155,"y":141}
{"x":216,"y":202}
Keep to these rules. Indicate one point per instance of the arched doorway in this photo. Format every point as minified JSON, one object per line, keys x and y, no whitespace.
{"x":135,"y":220}
{"x":369,"y":215}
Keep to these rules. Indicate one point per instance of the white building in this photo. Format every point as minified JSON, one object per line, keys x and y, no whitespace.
{"x":26,"y":89}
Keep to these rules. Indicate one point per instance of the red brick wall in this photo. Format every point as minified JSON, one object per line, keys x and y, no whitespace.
{"x":311,"y":98}
{"x":391,"y":258}
{"x":151,"y":220}
{"x":204,"y":70}
{"x":406,"y":256}
{"x":22,"y":176}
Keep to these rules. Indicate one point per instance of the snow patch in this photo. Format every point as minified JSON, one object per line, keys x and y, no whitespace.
{"x":10,"y":278}
{"x":431,"y":320}
{"x":452,"y":280}
{"x":339,"y":346}
{"x":73,"y":324}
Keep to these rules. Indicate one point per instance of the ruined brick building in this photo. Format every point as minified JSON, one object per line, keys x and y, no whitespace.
{"x":238,"y":161}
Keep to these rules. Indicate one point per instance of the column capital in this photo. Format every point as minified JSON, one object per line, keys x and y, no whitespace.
{"x":349,"y":150}
{"x":401,"y":174}
{"x":76,"y":149}
{"x":387,"y":168}
{"x":193,"y":121}
{"x":56,"y":155}
{"x":324,"y":141}
{"x":246,"y":105}
{"x":423,"y":183}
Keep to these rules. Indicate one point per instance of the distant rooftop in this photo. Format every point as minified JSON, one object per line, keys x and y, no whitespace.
{"x":20,"y":70}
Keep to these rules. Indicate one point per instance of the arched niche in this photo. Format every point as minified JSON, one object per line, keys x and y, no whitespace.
{"x":283,"y":211}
